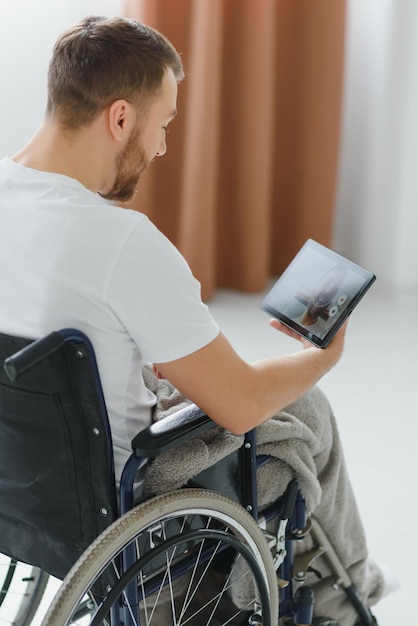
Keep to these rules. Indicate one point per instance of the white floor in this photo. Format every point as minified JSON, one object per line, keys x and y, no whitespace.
{"x":373,"y":393}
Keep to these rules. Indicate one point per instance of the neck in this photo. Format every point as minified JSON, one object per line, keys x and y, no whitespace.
{"x":79,"y":156}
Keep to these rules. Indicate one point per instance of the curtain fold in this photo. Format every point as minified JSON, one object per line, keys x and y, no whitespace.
{"x":251,"y":167}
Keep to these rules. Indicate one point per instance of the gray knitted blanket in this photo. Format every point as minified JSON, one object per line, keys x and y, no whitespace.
{"x":303,"y":441}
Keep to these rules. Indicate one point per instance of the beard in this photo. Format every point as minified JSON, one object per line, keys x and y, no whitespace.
{"x":131,"y":162}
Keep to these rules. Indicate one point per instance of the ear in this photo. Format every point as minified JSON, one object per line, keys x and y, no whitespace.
{"x":121,"y":119}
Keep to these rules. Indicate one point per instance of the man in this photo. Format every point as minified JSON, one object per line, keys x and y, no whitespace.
{"x":74,"y":258}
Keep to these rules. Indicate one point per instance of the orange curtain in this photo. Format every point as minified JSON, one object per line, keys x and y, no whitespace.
{"x":252,"y":159}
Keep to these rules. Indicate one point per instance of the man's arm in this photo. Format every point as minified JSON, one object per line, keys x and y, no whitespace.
{"x":239,"y":395}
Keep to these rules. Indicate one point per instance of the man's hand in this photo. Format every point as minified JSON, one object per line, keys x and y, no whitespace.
{"x":334,"y":350}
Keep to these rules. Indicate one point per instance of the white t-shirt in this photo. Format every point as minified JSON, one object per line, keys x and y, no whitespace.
{"x":69,"y":258}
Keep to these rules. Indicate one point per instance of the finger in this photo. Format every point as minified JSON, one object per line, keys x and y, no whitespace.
{"x":284,"y":329}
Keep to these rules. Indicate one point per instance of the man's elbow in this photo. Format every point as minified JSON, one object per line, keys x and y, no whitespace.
{"x":240,"y":422}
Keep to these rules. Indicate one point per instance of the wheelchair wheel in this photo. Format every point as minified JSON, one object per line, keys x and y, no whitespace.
{"x":21,"y":590}
{"x":193,"y":557}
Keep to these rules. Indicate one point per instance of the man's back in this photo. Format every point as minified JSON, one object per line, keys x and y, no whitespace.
{"x":71,"y":259}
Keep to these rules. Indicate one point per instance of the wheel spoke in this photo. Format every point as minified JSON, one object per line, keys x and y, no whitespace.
{"x":174,"y":545}
{"x":21,"y":589}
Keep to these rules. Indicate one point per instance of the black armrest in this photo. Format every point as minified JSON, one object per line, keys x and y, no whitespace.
{"x":171,"y":431}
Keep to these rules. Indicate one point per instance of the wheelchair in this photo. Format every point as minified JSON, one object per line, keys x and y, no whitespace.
{"x":200,"y":555}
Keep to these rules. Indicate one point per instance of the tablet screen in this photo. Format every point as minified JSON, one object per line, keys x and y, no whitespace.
{"x":317,"y":292}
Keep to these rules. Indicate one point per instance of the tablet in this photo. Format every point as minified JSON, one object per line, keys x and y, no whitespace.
{"x":317,"y":292}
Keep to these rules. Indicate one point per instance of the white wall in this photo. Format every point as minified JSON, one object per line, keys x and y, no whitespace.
{"x":28,"y":30}
{"x":377,"y":205}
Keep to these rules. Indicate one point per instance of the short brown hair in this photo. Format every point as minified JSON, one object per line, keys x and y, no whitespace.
{"x":100,"y":60}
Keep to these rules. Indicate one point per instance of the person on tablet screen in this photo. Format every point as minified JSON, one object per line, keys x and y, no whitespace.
{"x":322,"y":305}
{"x":76,"y":259}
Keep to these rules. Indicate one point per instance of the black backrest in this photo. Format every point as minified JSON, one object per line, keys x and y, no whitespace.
{"x":57,"y":489}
